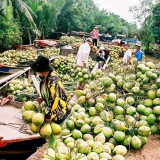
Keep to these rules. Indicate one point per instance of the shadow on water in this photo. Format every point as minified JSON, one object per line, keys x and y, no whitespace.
{"x":20,"y":150}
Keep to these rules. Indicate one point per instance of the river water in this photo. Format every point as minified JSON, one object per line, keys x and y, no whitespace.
{"x":21,"y":150}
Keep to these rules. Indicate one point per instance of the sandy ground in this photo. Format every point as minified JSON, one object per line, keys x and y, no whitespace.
{"x":151,"y":151}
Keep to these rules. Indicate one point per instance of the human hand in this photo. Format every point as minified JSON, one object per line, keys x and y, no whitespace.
{"x":84,"y":64}
{"x":39,"y":100}
{"x":48,"y":120}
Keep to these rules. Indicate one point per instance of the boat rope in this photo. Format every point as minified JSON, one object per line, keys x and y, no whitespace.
{"x":23,"y":128}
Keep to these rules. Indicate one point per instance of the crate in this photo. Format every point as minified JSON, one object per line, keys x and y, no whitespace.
{"x":66,"y":52}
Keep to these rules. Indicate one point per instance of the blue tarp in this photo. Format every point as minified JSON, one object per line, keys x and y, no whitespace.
{"x":131,"y":40}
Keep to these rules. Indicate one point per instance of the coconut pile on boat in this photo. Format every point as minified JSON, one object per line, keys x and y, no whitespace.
{"x":12,"y":57}
{"x":112,"y":113}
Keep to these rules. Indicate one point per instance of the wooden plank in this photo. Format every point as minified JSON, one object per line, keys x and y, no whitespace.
{"x":2,"y":72}
{"x":14,"y":75}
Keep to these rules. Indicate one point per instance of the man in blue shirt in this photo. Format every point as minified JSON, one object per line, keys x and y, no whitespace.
{"x":138,"y":53}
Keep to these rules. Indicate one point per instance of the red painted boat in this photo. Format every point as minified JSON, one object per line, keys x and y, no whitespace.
{"x":12,"y":127}
{"x":16,"y":139}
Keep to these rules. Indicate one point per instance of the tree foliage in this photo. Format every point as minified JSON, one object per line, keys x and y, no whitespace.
{"x":10,"y":33}
{"x":37,"y":18}
{"x":156,"y":22}
{"x":147,"y":15}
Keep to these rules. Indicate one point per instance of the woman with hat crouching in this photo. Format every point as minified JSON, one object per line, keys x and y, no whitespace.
{"x":52,"y":92}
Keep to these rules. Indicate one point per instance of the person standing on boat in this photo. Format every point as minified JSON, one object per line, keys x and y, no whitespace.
{"x":127,"y":56}
{"x":94,"y":35}
{"x":52,"y":91}
{"x":138,"y":54}
{"x":82,"y":57}
{"x":83,"y":53}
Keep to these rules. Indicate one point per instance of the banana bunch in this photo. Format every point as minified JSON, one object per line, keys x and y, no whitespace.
{"x":94,"y":49}
{"x":65,"y":40}
{"x":76,"y":46}
{"x":116,"y":49}
{"x":114,"y":54}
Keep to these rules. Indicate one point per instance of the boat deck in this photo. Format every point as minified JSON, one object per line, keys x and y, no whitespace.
{"x":11,"y":125}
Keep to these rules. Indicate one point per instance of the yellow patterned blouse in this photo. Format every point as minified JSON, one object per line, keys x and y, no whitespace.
{"x":53,"y":93}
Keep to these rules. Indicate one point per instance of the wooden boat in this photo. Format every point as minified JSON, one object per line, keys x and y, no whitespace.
{"x":12,"y":127}
{"x":15,"y":134}
{"x":9,"y":69}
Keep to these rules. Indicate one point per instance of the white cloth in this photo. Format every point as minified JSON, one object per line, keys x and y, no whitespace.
{"x":83,"y":54}
{"x":95,"y":68}
{"x":127,"y":54}
{"x":106,"y":64}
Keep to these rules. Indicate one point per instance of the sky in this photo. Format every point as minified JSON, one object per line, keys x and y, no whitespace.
{"x":119,"y":7}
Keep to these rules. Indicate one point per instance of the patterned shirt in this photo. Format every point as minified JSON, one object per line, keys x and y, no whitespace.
{"x":53,"y":93}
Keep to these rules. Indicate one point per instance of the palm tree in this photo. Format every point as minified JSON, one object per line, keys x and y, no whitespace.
{"x":17,"y":9}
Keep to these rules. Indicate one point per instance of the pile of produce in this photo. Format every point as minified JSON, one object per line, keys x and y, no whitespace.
{"x":94,"y":49}
{"x":33,"y":113}
{"x":22,"y":89}
{"x":115,"y":51}
{"x":76,"y":46}
{"x":65,"y":40}
{"x":112,"y":113}
{"x":66,"y":67}
{"x":49,"y":52}
{"x":12,"y":57}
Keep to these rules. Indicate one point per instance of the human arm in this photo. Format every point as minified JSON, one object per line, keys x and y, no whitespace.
{"x":85,"y":55}
{"x":129,"y":60}
{"x":129,"y":57}
{"x":39,"y":100}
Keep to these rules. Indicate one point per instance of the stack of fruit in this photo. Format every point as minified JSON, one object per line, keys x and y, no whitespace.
{"x":22,"y":89}
{"x":66,"y":67}
{"x":65,"y":40}
{"x":33,"y":114}
{"x":111,"y":114}
{"x":75,"y":46}
{"x":115,"y":51}
{"x":12,"y":57}
{"x":94,"y":49}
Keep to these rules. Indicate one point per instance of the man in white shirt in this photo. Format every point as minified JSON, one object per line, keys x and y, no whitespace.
{"x":128,"y":55}
{"x":82,"y":58}
{"x":83,"y":53}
